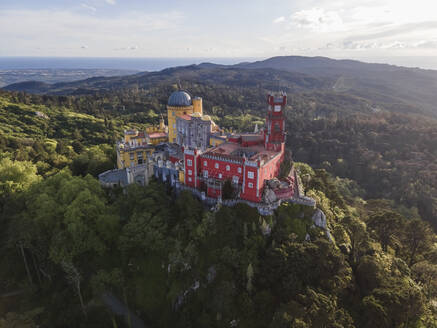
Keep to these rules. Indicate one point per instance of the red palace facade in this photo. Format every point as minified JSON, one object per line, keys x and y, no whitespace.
{"x":248,"y":161}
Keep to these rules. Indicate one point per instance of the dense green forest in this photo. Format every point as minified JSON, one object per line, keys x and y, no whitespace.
{"x":68,"y":246}
{"x":391,"y":155}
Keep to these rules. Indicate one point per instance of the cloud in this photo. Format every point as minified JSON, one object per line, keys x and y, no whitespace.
{"x":63,"y":31}
{"x":54,"y":22}
{"x":362,"y":27}
{"x":111,"y":2}
{"x":349,"y":45}
{"x":279,"y":20}
{"x":387,"y":45}
{"x":317,"y":19}
{"x":84,"y":5}
{"x":426,"y":44}
{"x":396,"y":29}
{"x":84,"y":47}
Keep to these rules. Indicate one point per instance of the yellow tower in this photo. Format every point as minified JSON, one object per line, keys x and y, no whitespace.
{"x":197,"y":105}
{"x":162,"y":124}
{"x":179,"y":103}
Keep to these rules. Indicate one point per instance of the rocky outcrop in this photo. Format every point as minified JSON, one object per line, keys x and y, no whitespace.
{"x":319,"y":220}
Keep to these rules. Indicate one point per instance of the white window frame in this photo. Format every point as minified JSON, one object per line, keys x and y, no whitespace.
{"x":190,"y":172}
{"x":250,"y":175}
{"x":205,"y":174}
{"x":239,"y":170}
{"x":189,"y":162}
{"x":250,"y":185}
{"x":189,"y":179}
{"x":228,"y":168}
{"x":205,"y":163}
{"x":220,"y":176}
{"x":216,"y":165}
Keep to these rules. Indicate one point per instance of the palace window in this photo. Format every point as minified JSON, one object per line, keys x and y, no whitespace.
{"x":250,"y":185}
{"x":205,"y":163}
{"x":189,"y":179}
{"x":220,"y":175}
{"x":250,"y":175}
{"x":235,"y":179}
{"x":205,"y":174}
{"x":132,"y":155}
{"x":189,"y":162}
{"x":228,"y":168}
{"x":216,"y":165}
{"x":277,"y":128}
{"x":190,"y":172}
{"x":239,"y":170}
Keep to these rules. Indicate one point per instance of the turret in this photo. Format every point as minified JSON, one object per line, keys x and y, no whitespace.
{"x":197,"y":105}
{"x":161,"y":124}
{"x":179,"y":103}
{"x":274,"y":133}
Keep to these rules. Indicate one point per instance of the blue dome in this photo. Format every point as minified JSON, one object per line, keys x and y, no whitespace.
{"x":179,"y":98}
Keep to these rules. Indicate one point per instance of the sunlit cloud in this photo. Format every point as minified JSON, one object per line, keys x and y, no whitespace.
{"x":338,"y":28}
{"x":59,"y":30}
{"x":279,"y":20}
{"x":333,"y":28}
{"x":318,"y":19}
{"x":84,"y":5}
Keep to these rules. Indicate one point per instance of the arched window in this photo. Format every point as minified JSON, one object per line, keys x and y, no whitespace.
{"x":277,"y":128}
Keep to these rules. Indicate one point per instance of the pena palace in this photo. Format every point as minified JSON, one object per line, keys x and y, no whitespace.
{"x":193,"y":153}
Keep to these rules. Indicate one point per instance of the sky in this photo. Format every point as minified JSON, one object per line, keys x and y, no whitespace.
{"x":395,"y":31}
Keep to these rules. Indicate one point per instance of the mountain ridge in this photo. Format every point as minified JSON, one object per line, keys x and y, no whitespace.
{"x":379,"y":83}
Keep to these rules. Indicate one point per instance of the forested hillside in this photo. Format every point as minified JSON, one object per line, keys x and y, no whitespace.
{"x":390,"y":154}
{"x":398,"y":89}
{"x":69,"y":247}
{"x":377,"y":82}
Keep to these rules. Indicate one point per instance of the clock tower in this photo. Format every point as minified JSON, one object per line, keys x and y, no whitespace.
{"x":274,"y":133}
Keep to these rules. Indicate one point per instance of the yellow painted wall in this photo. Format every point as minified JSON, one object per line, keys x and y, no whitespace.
{"x":155,"y":128}
{"x":215,"y":141}
{"x":197,"y":105}
{"x":181,"y":176}
{"x":124,"y":157}
{"x":172,"y":113}
{"x":129,"y":136}
{"x":156,"y":141}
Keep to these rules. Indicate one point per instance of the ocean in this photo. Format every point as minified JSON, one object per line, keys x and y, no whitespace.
{"x":138,"y":64}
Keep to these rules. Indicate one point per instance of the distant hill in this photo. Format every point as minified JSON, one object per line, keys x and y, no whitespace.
{"x":377,"y":82}
{"x":55,"y":75}
{"x":395,"y":88}
{"x":204,"y":73}
{"x":29,"y":86}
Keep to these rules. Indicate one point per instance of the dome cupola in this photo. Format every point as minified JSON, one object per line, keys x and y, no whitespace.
{"x":179,"y":98}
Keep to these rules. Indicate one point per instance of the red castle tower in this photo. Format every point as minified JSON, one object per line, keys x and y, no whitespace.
{"x":274,"y":133}
{"x":247,"y":160}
